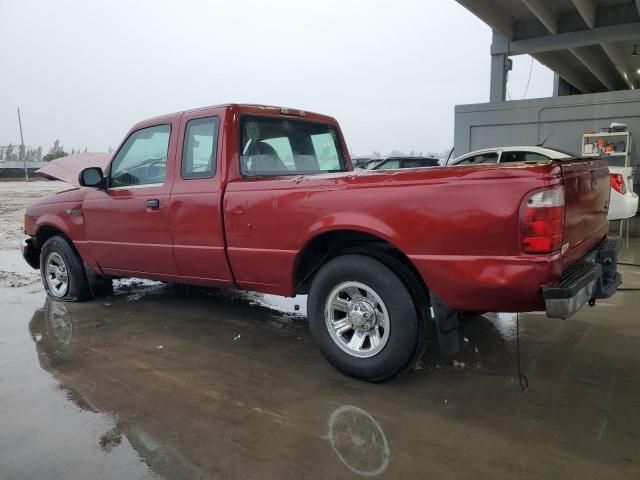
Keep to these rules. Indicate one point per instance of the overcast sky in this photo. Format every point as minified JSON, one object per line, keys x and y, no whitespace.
{"x":389,"y":71}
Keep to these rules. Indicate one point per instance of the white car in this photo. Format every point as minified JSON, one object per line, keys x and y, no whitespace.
{"x":623,"y":201}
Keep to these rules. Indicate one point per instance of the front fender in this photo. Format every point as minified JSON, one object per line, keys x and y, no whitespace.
{"x":72,"y":228}
{"x":50,"y":221}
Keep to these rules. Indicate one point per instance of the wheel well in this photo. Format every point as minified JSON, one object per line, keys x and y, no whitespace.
{"x":333,"y":244}
{"x":45,"y":232}
{"x":329,"y":245}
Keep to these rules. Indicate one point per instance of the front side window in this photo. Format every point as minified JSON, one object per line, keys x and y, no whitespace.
{"x":420,"y":163}
{"x":512,"y":157}
{"x":535,"y":157}
{"x":142,"y":160}
{"x":517,"y":156}
{"x":491,"y":157}
{"x":199,"y":148}
{"x":388,"y":165}
{"x":283,"y":146}
{"x":372,"y":164}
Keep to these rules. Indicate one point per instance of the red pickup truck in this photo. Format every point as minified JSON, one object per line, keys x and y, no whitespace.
{"x":265,"y":199}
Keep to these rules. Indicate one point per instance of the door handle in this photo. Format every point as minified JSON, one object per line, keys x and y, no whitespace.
{"x":153,"y":204}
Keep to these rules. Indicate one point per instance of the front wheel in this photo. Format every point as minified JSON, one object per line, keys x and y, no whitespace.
{"x":363,"y":318}
{"x":62,"y":271}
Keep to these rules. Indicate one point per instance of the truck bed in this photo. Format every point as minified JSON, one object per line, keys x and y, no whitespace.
{"x":458,"y":225}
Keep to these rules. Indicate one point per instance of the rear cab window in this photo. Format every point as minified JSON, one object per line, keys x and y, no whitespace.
{"x":284,"y":146}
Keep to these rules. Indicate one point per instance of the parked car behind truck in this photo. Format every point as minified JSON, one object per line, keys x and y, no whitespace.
{"x":265,"y":199}
{"x":395,"y":163}
{"x":623,"y":200}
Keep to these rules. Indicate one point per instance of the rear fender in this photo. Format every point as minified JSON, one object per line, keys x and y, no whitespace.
{"x":354,"y":221}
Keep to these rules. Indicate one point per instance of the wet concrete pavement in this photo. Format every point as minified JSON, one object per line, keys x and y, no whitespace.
{"x":164,"y":382}
{"x":158,"y":381}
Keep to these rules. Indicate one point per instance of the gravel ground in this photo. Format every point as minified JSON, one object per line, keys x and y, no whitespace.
{"x":15,"y":197}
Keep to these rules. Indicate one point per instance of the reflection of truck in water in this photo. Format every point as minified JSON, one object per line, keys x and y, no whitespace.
{"x":191,"y":420}
{"x":265,"y":199}
{"x":52,"y":328}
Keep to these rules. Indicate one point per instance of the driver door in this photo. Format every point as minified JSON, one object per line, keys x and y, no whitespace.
{"x":127,"y":225}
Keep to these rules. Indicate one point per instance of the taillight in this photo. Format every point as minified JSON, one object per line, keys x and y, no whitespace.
{"x":617,"y":183}
{"x":542,"y":220}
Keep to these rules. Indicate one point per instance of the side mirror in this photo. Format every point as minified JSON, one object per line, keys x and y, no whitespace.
{"x":92,"y":177}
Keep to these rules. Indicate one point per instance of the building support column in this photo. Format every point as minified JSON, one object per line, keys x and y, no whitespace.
{"x":561,"y":87}
{"x":500,"y":65}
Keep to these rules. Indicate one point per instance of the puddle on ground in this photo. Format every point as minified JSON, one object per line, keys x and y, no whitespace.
{"x":165,"y":381}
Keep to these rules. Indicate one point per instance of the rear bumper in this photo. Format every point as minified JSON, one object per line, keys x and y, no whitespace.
{"x":622,"y":206}
{"x":593,"y":277}
{"x":30,"y":253}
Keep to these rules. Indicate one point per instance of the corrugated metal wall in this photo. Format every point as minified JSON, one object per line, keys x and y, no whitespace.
{"x":528,"y":122}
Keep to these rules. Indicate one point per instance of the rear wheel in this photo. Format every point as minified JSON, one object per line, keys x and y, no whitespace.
{"x":62,"y":271}
{"x":363,"y":318}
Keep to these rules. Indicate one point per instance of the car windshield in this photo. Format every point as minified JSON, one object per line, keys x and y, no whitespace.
{"x":282,"y":146}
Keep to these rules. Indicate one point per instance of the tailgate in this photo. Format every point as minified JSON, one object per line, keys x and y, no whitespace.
{"x":587,"y":189}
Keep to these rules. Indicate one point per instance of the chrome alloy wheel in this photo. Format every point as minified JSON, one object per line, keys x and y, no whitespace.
{"x":357,"y":319}
{"x":56,"y":275}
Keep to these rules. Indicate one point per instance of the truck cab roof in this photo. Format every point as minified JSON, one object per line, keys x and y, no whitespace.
{"x":241,"y":109}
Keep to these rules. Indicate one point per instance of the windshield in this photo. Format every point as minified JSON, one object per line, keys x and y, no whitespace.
{"x":282,"y":146}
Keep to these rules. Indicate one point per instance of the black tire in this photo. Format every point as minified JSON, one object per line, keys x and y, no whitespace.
{"x":406,"y":331}
{"x":77,"y":288}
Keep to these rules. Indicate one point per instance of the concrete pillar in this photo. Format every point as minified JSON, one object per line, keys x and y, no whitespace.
{"x":500,"y":65}
{"x":498,"y":88}
{"x":561,"y":87}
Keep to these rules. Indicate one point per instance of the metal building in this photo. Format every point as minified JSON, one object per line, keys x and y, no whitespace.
{"x":593,"y":46}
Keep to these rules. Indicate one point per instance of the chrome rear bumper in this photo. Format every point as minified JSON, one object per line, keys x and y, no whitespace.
{"x":593,"y":277}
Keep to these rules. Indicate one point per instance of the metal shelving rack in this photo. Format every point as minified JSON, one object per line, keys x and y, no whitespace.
{"x":591,"y":139}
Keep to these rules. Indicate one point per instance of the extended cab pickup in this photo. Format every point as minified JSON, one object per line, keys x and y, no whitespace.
{"x":265,"y":199}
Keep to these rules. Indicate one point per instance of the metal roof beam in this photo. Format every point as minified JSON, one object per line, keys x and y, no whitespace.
{"x":553,"y":63}
{"x":594,"y":65}
{"x":544,"y":12}
{"x":582,"y":38}
{"x":491,"y":15}
{"x":587,"y":10}
{"x":619,"y":59}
